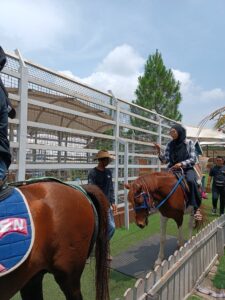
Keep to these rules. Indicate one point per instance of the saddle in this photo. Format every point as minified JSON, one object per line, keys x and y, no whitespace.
{"x":16,"y":224}
{"x":16,"y":229}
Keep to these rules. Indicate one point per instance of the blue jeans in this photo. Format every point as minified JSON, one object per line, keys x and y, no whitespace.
{"x":3,"y":169}
{"x":218,"y":192}
{"x":111,"y":224}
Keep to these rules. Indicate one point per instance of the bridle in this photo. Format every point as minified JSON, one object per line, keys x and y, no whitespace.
{"x":148,"y":202}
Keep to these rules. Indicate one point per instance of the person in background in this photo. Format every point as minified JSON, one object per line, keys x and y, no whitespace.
{"x":6,"y":110}
{"x":180,"y":154}
{"x":217,"y":173}
{"x":102,"y":177}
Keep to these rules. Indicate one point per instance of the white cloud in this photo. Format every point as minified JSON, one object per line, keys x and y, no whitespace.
{"x":122,"y":60}
{"x":33,"y":25}
{"x":213,"y":95}
{"x":118,"y":72}
{"x":197,"y":103}
{"x":185,"y":79}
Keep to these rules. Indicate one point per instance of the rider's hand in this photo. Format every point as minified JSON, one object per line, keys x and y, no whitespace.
{"x":208,"y":189}
{"x":177,"y":166}
{"x":114,"y":207}
{"x":157,"y":147}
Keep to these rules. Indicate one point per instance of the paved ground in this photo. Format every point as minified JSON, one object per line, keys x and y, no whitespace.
{"x":138,"y":260}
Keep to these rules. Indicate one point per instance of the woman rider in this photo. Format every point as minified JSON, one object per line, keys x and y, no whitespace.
{"x":180,"y":154}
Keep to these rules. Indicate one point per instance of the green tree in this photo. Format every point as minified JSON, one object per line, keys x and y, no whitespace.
{"x":158,"y":90}
{"x":220,"y":123}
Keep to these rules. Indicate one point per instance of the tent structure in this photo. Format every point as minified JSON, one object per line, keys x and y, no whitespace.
{"x":43,"y":114}
{"x":206,"y":136}
{"x":212,"y":141}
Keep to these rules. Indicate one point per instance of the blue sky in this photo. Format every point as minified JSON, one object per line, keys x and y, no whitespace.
{"x":106,"y":43}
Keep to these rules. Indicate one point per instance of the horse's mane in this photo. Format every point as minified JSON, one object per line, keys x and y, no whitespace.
{"x":152,"y":178}
{"x":160,"y":174}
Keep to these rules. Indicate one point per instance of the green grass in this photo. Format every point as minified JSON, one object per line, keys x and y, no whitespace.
{"x":122,"y":240}
{"x":219,"y":278}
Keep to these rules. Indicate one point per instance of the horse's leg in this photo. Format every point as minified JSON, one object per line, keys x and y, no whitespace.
{"x":68,"y":268}
{"x":33,"y":289}
{"x":163,"y":223}
{"x":191,"y":221}
{"x":180,"y":236}
{"x":69,"y":284}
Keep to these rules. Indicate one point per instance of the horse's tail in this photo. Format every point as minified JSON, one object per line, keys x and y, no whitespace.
{"x":200,"y":223}
{"x":102,"y":243}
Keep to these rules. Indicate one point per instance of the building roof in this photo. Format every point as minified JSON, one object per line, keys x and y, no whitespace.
{"x":207,"y":135}
{"x":65,"y":119}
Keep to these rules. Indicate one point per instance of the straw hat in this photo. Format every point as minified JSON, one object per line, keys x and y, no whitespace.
{"x":103,"y":154}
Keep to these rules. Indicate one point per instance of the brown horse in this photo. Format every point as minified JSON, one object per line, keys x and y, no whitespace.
{"x":158,"y":190}
{"x":65,"y":224}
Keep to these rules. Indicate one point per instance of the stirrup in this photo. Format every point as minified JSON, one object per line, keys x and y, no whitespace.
{"x":198,"y":215}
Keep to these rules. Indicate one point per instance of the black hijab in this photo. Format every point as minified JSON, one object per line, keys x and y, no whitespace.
{"x":178,"y":149}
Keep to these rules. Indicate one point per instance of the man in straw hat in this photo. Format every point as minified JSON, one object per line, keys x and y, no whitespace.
{"x":102,"y":177}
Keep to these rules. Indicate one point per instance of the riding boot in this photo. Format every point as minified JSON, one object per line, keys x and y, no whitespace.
{"x":197,"y":214}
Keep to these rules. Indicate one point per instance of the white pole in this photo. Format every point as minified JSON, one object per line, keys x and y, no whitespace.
{"x":159,"y":139}
{"x":126,"y":203}
{"x":116,"y":145}
{"x":22,"y":116}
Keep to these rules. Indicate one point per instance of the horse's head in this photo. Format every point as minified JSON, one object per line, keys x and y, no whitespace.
{"x":140,"y":202}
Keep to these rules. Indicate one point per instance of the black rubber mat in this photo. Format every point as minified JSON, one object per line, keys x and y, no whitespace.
{"x":138,"y":260}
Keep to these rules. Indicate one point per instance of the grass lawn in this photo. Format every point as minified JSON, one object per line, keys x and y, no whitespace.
{"x":122,"y":240}
{"x":219,"y":279}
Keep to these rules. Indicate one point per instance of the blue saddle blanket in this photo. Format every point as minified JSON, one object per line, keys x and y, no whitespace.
{"x":16,"y":232}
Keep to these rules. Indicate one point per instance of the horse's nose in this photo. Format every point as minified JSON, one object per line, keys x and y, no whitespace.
{"x":141,"y":225}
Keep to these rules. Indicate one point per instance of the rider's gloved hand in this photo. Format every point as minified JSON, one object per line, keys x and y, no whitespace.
{"x":177,"y":166}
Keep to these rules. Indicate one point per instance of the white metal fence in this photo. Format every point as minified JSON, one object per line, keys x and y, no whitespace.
{"x":176,"y":277}
{"x":61,"y":124}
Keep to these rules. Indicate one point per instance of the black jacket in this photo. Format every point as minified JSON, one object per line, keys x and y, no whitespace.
{"x":6,"y":110}
{"x":4,"y":142}
{"x":2,"y":58}
{"x":10,"y":108}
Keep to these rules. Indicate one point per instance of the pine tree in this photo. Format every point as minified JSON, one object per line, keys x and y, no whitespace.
{"x":158,"y":90}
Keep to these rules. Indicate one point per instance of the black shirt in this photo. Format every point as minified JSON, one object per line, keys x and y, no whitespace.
{"x":4,"y":142}
{"x":103,"y":179}
{"x":218,"y":174}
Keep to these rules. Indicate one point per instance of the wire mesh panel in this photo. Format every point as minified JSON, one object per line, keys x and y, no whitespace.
{"x":66,"y":123}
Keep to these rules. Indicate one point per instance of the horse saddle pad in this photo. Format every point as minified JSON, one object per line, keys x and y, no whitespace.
{"x":16,"y":231}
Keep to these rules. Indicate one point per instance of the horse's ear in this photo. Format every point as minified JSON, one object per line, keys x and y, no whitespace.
{"x":127,"y":186}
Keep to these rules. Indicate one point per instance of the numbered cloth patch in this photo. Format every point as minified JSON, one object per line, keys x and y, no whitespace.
{"x":16,"y":232}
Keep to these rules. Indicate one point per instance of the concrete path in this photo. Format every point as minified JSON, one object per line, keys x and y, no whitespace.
{"x":138,"y":260}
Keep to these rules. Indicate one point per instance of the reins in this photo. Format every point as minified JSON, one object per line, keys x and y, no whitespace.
{"x":171,"y":192}
{"x":147,"y":196}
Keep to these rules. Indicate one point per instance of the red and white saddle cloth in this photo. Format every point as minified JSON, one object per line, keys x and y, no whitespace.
{"x":16,"y":231}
